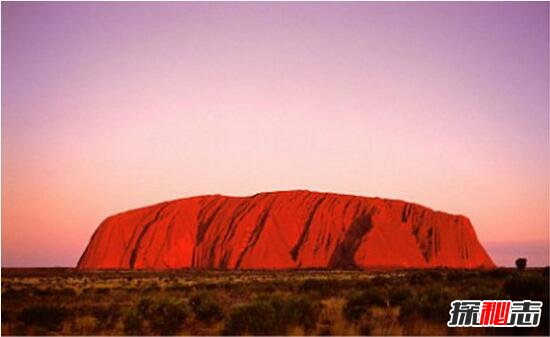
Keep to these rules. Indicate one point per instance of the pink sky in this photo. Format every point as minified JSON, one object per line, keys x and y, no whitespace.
{"x":112,"y":106}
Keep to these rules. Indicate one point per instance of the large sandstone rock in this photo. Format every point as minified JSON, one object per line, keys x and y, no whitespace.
{"x":292,"y":229}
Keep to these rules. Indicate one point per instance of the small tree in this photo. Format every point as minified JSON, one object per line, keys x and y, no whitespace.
{"x":521,"y":263}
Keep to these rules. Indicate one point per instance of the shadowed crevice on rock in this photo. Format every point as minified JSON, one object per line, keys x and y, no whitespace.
{"x":343,"y":256}
{"x":285,"y":230}
{"x":144,"y":230}
{"x":296,"y":249}
{"x":254,"y":237}
{"x":204,"y":225}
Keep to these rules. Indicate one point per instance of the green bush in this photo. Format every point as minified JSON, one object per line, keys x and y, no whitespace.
{"x":358,"y":303}
{"x":432,"y":304}
{"x":107,"y":315}
{"x":436,"y":303}
{"x":355,"y":307}
{"x":205,"y":307}
{"x":376,"y":296}
{"x":408,"y":310}
{"x":302,"y":311}
{"x":166,"y":317}
{"x":400,"y":294}
{"x":144,"y":306}
{"x":256,"y":318}
{"x":133,"y":322}
{"x":273,"y":315}
{"x":47,"y":316}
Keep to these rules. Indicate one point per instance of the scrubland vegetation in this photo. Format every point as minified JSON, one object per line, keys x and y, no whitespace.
{"x":186,"y":302}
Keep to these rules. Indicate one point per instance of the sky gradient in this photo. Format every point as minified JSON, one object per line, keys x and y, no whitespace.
{"x":112,"y":106}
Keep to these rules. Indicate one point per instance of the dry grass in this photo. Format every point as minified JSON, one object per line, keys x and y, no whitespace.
{"x":386,"y":302}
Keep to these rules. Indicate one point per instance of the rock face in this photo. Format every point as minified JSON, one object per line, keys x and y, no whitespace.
{"x":279,"y":230}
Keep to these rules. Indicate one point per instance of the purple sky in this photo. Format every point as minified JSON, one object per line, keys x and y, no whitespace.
{"x":111,"y":106}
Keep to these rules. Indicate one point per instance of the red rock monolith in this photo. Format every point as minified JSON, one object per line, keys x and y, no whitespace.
{"x":284,"y":230}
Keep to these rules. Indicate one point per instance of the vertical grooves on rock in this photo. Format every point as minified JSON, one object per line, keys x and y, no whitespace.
{"x":427,"y":247}
{"x":406,"y":213}
{"x":423,"y":237}
{"x":254,"y":236}
{"x":238,"y":214}
{"x":321,"y":237}
{"x":204,"y":225}
{"x":134,"y":234}
{"x":296,"y":249}
{"x":284,"y":230}
{"x":436,"y":242}
{"x":211,"y":257}
{"x":145,"y":227}
{"x":166,"y":242}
